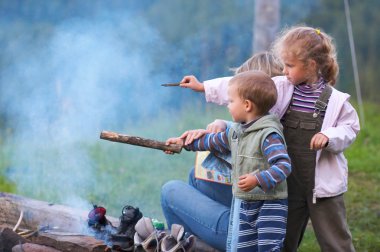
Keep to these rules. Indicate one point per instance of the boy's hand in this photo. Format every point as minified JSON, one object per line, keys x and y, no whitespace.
{"x":173,"y":140}
{"x":247,"y":182}
{"x":319,"y":141}
{"x":217,"y":126}
{"x":191,"y":135}
{"x":192,"y":82}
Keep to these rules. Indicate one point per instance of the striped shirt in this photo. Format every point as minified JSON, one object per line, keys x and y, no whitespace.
{"x":273,"y":149}
{"x":305,"y":96}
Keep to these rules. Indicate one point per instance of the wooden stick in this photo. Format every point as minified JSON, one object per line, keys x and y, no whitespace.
{"x":139,"y":141}
{"x":19,"y":221}
{"x":171,"y":84}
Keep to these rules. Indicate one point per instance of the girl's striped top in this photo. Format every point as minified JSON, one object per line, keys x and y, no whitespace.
{"x":273,"y":149}
{"x":305,"y":96}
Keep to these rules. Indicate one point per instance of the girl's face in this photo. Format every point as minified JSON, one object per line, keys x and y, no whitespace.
{"x":236,"y":105}
{"x":298,"y":72}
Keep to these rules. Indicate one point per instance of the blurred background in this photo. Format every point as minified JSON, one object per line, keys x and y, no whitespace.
{"x":70,"y":69}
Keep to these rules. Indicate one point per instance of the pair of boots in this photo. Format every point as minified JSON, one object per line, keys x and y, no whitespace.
{"x":149,"y":239}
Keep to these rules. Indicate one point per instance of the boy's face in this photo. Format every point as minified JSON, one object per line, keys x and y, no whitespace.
{"x":236,"y":105}
{"x":296,"y":71}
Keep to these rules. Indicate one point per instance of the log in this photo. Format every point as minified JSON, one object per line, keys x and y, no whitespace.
{"x":139,"y":141}
{"x":30,"y":247}
{"x":76,"y":243}
{"x":40,"y":213}
{"x":67,"y":227}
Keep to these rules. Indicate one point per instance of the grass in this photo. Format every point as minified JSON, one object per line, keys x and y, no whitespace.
{"x":131,"y":175}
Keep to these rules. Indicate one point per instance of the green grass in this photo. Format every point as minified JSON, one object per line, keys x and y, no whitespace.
{"x":133,"y":175}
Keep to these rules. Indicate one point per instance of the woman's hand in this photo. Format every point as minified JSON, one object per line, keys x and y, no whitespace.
{"x":192,"y":82}
{"x":191,"y":135}
{"x":217,"y":126}
{"x":319,"y":141}
{"x":247,"y":182}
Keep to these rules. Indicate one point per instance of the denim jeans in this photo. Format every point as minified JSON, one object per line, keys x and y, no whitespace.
{"x":202,"y":207}
{"x":233,"y":228}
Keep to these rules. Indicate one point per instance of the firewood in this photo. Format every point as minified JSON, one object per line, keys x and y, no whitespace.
{"x":76,"y":243}
{"x":40,"y":213}
{"x":139,"y":141}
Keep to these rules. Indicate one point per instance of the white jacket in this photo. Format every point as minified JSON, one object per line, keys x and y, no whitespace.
{"x":340,"y":125}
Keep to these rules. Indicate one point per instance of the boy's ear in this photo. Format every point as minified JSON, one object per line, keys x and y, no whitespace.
{"x":248,"y":105}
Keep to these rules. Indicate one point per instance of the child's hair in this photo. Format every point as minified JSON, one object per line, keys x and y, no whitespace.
{"x":307,"y":43}
{"x":258,"y":87}
{"x":262,"y":61}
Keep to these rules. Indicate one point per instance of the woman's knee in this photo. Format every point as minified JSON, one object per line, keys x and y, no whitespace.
{"x":169,"y":188}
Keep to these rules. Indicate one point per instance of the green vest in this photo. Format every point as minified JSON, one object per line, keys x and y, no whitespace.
{"x":248,"y":157}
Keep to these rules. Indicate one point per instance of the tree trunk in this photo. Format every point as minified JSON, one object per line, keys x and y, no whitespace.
{"x":266,"y":24}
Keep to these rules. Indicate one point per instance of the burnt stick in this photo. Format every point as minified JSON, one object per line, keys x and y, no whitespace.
{"x":171,"y":84}
{"x":139,"y":141}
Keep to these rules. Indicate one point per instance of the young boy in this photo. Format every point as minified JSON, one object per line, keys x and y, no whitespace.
{"x":260,"y":163}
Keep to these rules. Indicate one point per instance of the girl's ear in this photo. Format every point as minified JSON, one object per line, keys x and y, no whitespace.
{"x":313,"y":64}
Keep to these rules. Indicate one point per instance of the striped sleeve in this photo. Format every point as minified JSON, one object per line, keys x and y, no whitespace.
{"x":214,"y":142}
{"x":277,"y":156}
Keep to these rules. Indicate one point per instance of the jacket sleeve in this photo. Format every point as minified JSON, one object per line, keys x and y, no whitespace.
{"x":216,"y":90}
{"x":343,"y":134}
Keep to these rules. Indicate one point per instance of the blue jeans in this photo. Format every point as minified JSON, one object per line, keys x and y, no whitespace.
{"x":202,"y":207}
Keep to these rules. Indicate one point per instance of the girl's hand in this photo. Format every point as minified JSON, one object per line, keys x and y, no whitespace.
{"x":319,"y":141}
{"x":173,"y":140}
{"x":247,"y":182}
{"x":217,"y":126}
{"x":191,"y":135}
{"x":192,"y":82}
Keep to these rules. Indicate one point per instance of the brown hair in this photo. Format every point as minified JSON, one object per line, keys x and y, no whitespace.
{"x":262,"y":61}
{"x":307,"y":43}
{"x":257,"y":87}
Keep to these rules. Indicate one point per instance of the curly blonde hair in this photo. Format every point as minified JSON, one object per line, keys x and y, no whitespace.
{"x":307,"y":43}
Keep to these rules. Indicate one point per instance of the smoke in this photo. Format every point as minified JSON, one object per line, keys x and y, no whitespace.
{"x":78,"y":68}
{"x":83,"y":76}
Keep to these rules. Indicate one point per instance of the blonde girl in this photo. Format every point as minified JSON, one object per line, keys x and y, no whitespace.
{"x":319,"y":124}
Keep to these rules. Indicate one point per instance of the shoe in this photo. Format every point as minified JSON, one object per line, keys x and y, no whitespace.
{"x":128,"y":219}
{"x":122,"y":239}
{"x":147,"y":238}
{"x":178,"y":240}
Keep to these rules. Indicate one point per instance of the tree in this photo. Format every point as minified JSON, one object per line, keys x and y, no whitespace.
{"x":266,"y":24}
